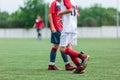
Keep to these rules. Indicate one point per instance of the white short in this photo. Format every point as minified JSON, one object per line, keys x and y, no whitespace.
{"x":68,"y":38}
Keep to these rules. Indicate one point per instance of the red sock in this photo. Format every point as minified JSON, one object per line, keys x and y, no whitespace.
{"x":53,"y":49}
{"x":79,"y":67}
{"x":75,"y":60}
{"x":82,"y":56}
{"x":71,"y":52}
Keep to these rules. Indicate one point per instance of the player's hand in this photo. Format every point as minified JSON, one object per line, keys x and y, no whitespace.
{"x":33,"y":27}
{"x":53,"y":30}
{"x":78,"y":15}
{"x":59,"y":13}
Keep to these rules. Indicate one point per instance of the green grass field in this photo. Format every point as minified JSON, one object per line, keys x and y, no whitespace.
{"x":27,"y":59}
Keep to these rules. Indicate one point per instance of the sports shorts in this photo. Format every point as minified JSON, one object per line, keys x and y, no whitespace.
{"x":39,"y":29}
{"x":68,"y":38}
{"x":55,"y":37}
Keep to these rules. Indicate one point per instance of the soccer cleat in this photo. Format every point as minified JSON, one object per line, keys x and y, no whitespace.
{"x":76,"y":71}
{"x":53,"y":67}
{"x":85,"y":62}
{"x":69,"y":67}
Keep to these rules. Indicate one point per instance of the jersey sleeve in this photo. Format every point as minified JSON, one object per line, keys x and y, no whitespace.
{"x":68,"y":4}
{"x":52,"y":8}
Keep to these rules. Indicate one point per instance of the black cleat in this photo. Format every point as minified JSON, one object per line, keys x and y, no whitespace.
{"x":76,"y":71}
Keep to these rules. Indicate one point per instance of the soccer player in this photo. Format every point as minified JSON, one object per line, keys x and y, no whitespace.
{"x":56,"y":28}
{"x":39,"y":24}
{"x":69,"y":35}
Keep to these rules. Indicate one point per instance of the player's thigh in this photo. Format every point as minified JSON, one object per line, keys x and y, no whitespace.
{"x":64,"y":39}
{"x":73,"y":39}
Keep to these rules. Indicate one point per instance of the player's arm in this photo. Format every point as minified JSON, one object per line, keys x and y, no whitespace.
{"x":65,"y":11}
{"x":78,"y":12}
{"x":50,"y":18}
{"x":34,"y":25}
{"x":52,"y":27}
{"x":68,"y":5}
{"x":43,"y":24}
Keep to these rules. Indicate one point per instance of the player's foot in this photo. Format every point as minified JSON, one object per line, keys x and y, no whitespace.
{"x":53,"y":67}
{"x":85,"y":61}
{"x":69,"y":67}
{"x":76,"y":71}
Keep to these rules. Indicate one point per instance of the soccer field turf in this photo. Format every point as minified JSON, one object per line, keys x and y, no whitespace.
{"x":27,"y":59}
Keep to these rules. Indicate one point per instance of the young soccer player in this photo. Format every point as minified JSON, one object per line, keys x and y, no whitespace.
{"x":56,"y":28}
{"x":69,"y":35}
{"x":39,"y":24}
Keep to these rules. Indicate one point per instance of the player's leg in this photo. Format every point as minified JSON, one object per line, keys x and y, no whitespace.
{"x":68,"y":66}
{"x":79,"y":69}
{"x":53,"y":58}
{"x":39,"y":34}
{"x":74,"y":59}
{"x":55,"y":42}
{"x":64,"y":43}
{"x":74,"y":53}
{"x":84,"y":58}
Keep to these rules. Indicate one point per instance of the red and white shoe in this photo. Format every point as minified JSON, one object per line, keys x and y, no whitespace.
{"x":53,"y":67}
{"x":69,"y":67}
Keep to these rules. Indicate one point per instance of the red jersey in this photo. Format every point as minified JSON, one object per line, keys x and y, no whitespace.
{"x":55,"y":7}
{"x":39,"y":23}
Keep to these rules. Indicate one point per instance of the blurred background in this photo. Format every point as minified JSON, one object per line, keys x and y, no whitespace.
{"x":98,"y":19}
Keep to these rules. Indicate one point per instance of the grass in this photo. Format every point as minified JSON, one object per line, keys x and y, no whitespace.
{"x":27,"y":59}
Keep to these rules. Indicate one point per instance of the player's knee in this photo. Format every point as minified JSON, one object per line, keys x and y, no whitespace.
{"x":62,"y":49}
{"x":56,"y":46}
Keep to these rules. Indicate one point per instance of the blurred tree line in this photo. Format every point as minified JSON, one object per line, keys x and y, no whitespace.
{"x":25,"y":17}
